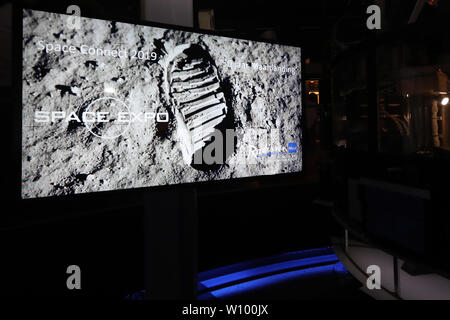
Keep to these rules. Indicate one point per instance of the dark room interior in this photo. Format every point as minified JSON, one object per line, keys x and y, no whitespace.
{"x":354,"y":185}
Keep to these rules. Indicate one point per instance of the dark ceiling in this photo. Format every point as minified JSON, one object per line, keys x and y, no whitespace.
{"x":310,"y":24}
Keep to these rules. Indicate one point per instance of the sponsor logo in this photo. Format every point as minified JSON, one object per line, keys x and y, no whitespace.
{"x":292,"y":147}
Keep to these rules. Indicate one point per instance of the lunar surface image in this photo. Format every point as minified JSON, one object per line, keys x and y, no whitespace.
{"x":109,"y":106}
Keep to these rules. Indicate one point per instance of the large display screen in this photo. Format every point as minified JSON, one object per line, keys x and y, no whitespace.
{"x":111,"y":106}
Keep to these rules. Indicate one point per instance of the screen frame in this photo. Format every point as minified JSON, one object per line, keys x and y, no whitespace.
{"x":89,"y":196}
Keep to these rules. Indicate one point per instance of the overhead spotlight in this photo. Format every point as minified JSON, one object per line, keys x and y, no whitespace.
{"x":444,"y":101}
{"x":433,"y":2}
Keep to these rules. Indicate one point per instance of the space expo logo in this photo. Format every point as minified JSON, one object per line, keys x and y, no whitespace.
{"x":106,"y":118}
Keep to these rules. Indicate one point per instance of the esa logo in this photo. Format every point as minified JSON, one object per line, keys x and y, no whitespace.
{"x":292,"y":147}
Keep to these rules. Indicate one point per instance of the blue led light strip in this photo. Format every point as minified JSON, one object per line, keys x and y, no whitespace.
{"x":267,"y":269}
{"x":240,"y":288}
{"x":241,"y":266}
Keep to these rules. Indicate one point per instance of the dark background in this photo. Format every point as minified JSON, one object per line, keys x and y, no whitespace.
{"x":237,"y":220}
